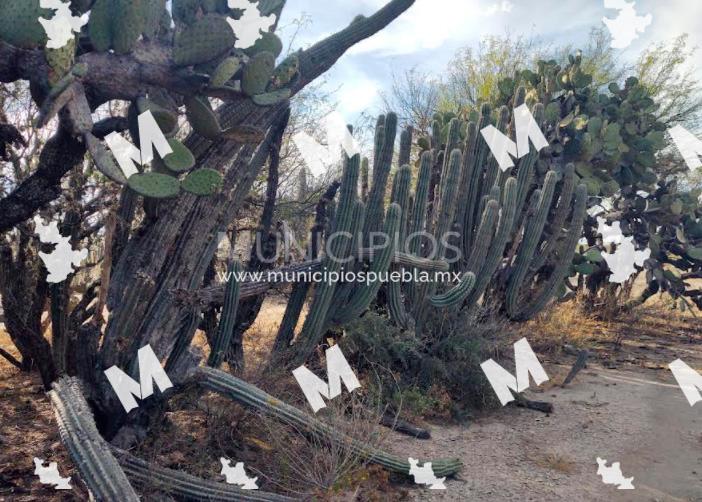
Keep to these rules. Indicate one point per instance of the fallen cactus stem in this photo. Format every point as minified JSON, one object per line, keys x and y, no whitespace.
{"x":88,"y":450}
{"x":252,"y":397}
{"x":185,"y":485}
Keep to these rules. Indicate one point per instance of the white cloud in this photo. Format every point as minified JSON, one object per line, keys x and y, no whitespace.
{"x":356,"y":95}
{"x":429,"y":24}
{"x":503,"y":6}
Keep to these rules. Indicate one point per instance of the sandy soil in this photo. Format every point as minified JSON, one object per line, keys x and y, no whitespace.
{"x":627,"y":413}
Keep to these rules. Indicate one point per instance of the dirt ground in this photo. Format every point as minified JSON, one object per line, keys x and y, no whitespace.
{"x":624,"y":407}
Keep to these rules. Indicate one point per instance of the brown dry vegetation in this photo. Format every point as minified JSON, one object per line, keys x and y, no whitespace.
{"x":196,"y":432}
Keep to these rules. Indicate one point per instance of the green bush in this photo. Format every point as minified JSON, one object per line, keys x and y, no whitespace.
{"x":439,"y":372}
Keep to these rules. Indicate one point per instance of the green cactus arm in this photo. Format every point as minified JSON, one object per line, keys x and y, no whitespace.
{"x":359,"y":216}
{"x":497,"y":247}
{"x":484,"y":237}
{"x":364,"y":180}
{"x":401,"y":195}
{"x":256,"y":399}
{"x":396,"y":306}
{"x":436,"y":135}
{"x":408,"y":260}
{"x":227,"y":320}
{"x":536,"y":302}
{"x":532,"y":234}
{"x":525,"y":173}
{"x":419,"y":212}
{"x":468,"y":170}
{"x":364,"y":293}
{"x":315,"y":322}
{"x":444,"y":221}
{"x":405,"y":147}
{"x":184,"y":338}
{"x":293,"y":309}
{"x":382,"y":162}
{"x":493,"y":169}
{"x":447,"y":197}
{"x":559,"y":216}
{"x":345,"y":289}
{"x":89,"y":452}
{"x":452,"y":143}
{"x":456,"y":295}
{"x":472,"y":189}
{"x":182,"y":484}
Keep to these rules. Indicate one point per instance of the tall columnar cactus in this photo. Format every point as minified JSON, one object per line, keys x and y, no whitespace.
{"x":225,"y":329}
{"x":338,"y":251}
{"x":335,"y":304}
{"x":505,"y":249}
{"x":497,"y":232}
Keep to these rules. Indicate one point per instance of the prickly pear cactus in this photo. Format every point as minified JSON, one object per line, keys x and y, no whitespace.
{"x":225,"y":71}
{"x":154,"y":185}
{"x":257,"y":73}
{"x":117,"y":24}
{"x":203,"y":182}
{"x":201,"y":117}
{"x":272,"y":98}
{"x":180,"y":159}
{"x":60,"y":61}
{"x":204,"y":40}
{"x":19,"y":23}
{"x":285,"y":73}
{"x":269,"y":42}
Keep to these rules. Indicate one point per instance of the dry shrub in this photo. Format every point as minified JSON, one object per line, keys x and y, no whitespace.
{"x":556,"y":462}
{"x":306,"y":464}
{"x":565,"y":324}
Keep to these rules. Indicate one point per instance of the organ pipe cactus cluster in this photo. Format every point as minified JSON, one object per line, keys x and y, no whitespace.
{"x":515,"y":232}
{"x":511,"y":251}
{"x":335,"y":303}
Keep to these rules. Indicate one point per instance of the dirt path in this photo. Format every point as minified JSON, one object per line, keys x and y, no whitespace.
{"x":636,"y":416}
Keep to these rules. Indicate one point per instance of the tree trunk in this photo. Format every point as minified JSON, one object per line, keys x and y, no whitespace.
{"x":263,"y":251}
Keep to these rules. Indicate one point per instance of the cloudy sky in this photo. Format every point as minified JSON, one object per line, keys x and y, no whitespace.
{"x":430,"y":32}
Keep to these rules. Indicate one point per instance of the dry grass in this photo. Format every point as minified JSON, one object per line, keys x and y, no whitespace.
{"x":28,"y":430}
{"x":556,"y":462}
{"x":648,"y":333}
{"x":564,"y":324}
